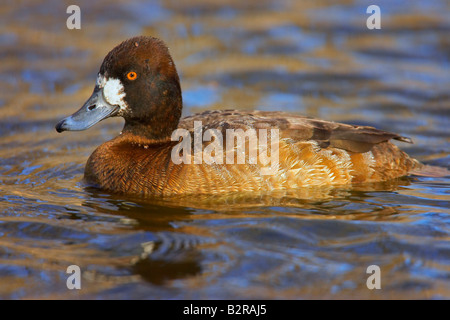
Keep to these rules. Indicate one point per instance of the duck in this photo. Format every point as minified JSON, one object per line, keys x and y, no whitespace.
{"x":138,"y":81}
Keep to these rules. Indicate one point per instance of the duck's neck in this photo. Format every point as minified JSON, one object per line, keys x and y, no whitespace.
{"x":138,"y":140}
{"x":150,"y":133}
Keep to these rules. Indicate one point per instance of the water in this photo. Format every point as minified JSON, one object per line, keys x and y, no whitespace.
{"x":315,"y":58}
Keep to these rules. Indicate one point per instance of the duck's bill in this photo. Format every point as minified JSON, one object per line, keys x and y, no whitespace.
{"x":93,"y":111}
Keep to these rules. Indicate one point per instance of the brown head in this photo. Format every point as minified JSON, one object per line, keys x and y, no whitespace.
{"x":139,"y":82}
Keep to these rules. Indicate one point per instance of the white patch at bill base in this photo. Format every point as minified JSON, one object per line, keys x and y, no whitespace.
{"x":101,"y":80}
{"x":113,"y":92}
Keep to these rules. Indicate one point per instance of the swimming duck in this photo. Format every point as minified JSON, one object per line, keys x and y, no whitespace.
{"x":139,"y":82}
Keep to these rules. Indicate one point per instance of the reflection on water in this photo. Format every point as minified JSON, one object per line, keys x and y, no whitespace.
{"x":312,"y":58}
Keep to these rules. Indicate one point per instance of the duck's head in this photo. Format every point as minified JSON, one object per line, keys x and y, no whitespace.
{"x":139,"y":82}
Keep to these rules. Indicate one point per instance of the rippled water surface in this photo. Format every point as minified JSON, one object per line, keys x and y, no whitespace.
{"x":309,"y":57}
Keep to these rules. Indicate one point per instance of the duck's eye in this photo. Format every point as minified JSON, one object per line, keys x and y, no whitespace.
{"x":131,"y":75}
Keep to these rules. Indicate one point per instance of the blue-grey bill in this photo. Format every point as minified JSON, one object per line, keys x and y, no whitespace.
{"x":95,"y":109}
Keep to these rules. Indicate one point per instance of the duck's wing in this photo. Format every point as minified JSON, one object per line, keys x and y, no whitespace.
{"x":352,"y":138}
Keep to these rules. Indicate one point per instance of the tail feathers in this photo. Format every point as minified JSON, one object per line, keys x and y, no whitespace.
{"x":431,"y":171}
{"x":403,"y":139}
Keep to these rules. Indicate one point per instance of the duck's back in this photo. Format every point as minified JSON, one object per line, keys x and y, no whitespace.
{"x":290,"y":151}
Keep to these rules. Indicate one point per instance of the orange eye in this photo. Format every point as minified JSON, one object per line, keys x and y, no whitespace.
{"x":131,"y":75}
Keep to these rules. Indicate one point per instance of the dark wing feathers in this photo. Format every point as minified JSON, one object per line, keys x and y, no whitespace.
{"x":326,"y":133}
